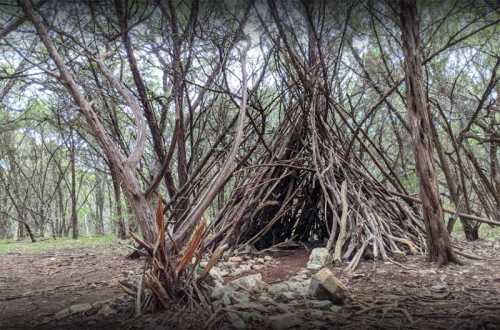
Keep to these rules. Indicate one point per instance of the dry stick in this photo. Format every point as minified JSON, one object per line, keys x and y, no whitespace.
{"x":219,"y":180}
{"x":343,"y":223}
{"x":462,"y":215}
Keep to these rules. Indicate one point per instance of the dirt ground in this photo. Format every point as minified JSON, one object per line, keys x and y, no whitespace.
{"x":410,"y":294}
{"x":36,"y":285}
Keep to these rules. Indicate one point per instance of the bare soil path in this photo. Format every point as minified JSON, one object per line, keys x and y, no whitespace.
{"x":36,"y":285}
{"x":410,"y":295}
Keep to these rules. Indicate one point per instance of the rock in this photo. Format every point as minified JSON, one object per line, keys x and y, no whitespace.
{"x":315,"y":314}
{"x":257,"y":267}
{"x":277,"y":288}
{"x":319,"y":258}
{"x":268,"y":258}
{"x":216,"y":275}
{"x":304,"y":271}
{"x":100,"y":303}
{"x":242,"y":269}
{"x":284,"y":321}
{"x":62,"y":314}
{"x":299,"y":277}
{"x":285,"y":296}
{"x":261,"y":260}
{"x":239,"y":298}
{"x":439,"y":287}
{"x":235,"y":259}
{"x":335,"y":308}
{"x":299,"y":287}
{"x":236,"y":321}
{"x":252,"y":282}
{"x":222,"y":293}
{"x":325,"y":286}
{"x":265,"y":299}
{"x":106,"y":310}
{"x":320,"y":304}
{"x":80,"y":308}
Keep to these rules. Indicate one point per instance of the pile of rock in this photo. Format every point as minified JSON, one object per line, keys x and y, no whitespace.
{"x":313,"y":290}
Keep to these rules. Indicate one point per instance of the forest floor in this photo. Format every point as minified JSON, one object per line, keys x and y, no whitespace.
{"x":77,"y":288}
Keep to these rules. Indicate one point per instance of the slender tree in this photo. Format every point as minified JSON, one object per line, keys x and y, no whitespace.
{"x":438,"y":242}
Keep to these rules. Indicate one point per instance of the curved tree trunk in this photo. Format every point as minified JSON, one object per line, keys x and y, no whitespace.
{"x":438,"y":242}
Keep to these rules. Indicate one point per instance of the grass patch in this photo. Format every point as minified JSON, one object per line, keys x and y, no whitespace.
{"x":485,"y":232}
{"x":48,"y":245}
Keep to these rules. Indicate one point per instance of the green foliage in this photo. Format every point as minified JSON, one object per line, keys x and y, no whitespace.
{"x":485,"y":232}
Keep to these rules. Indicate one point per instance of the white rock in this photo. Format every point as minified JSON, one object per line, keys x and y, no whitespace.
{"x":319,"y":258}
{"x":257,"y":267}
{"x":276,"y":289}
{"x":242,"y":269}
{"x":80,"y":308}
{"x":216,"y":274}
{"x":299,"y":287}
{"x":219,"y":292}
{"x":324,"y":285}
{"x":252,"y":282}
{"x":320,"y":304}
{"x":236,"y":259}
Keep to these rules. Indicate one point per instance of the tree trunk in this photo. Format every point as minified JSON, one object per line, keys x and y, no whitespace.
{"x":455,"y":194}
{"x":439,"y":247}
{"x":120,"y":222}
{"x":99,"y":207}
{"x":74,"y":215}
{"x":125,"y":166}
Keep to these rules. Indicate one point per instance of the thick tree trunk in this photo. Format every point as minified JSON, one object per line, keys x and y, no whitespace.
{"x":439,"y":247}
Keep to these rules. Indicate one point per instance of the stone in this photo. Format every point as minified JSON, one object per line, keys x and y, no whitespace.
{"x":284,"y":321}
{"x":236,"y":321}
{"x":320,"y":304}
{"x":268,"y":258}
{"x":265,"y":299}
{"x":106,"y":311}
{"x":319,"y":258}
{"x":216,"y":275}
{"x":235,"y":259}
{"x":276,"y":289}
{"x":80,"y":308}
{"x":252,"y":282}
{"x":257,"y":267}
{"x":299,"y":277}
{"x":325,"y":286}
{"x":239,"y":298}
{"x":219,"y":292}
{"x":299,"y":287}
{"x":439,"y":287}
{"x":242,"y":269}
{"x":316,"y":314}
{"x":62,"y":314}
{"x":335,"y":308}
{"x":285,"y":296}
{"x":261,"y":260}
